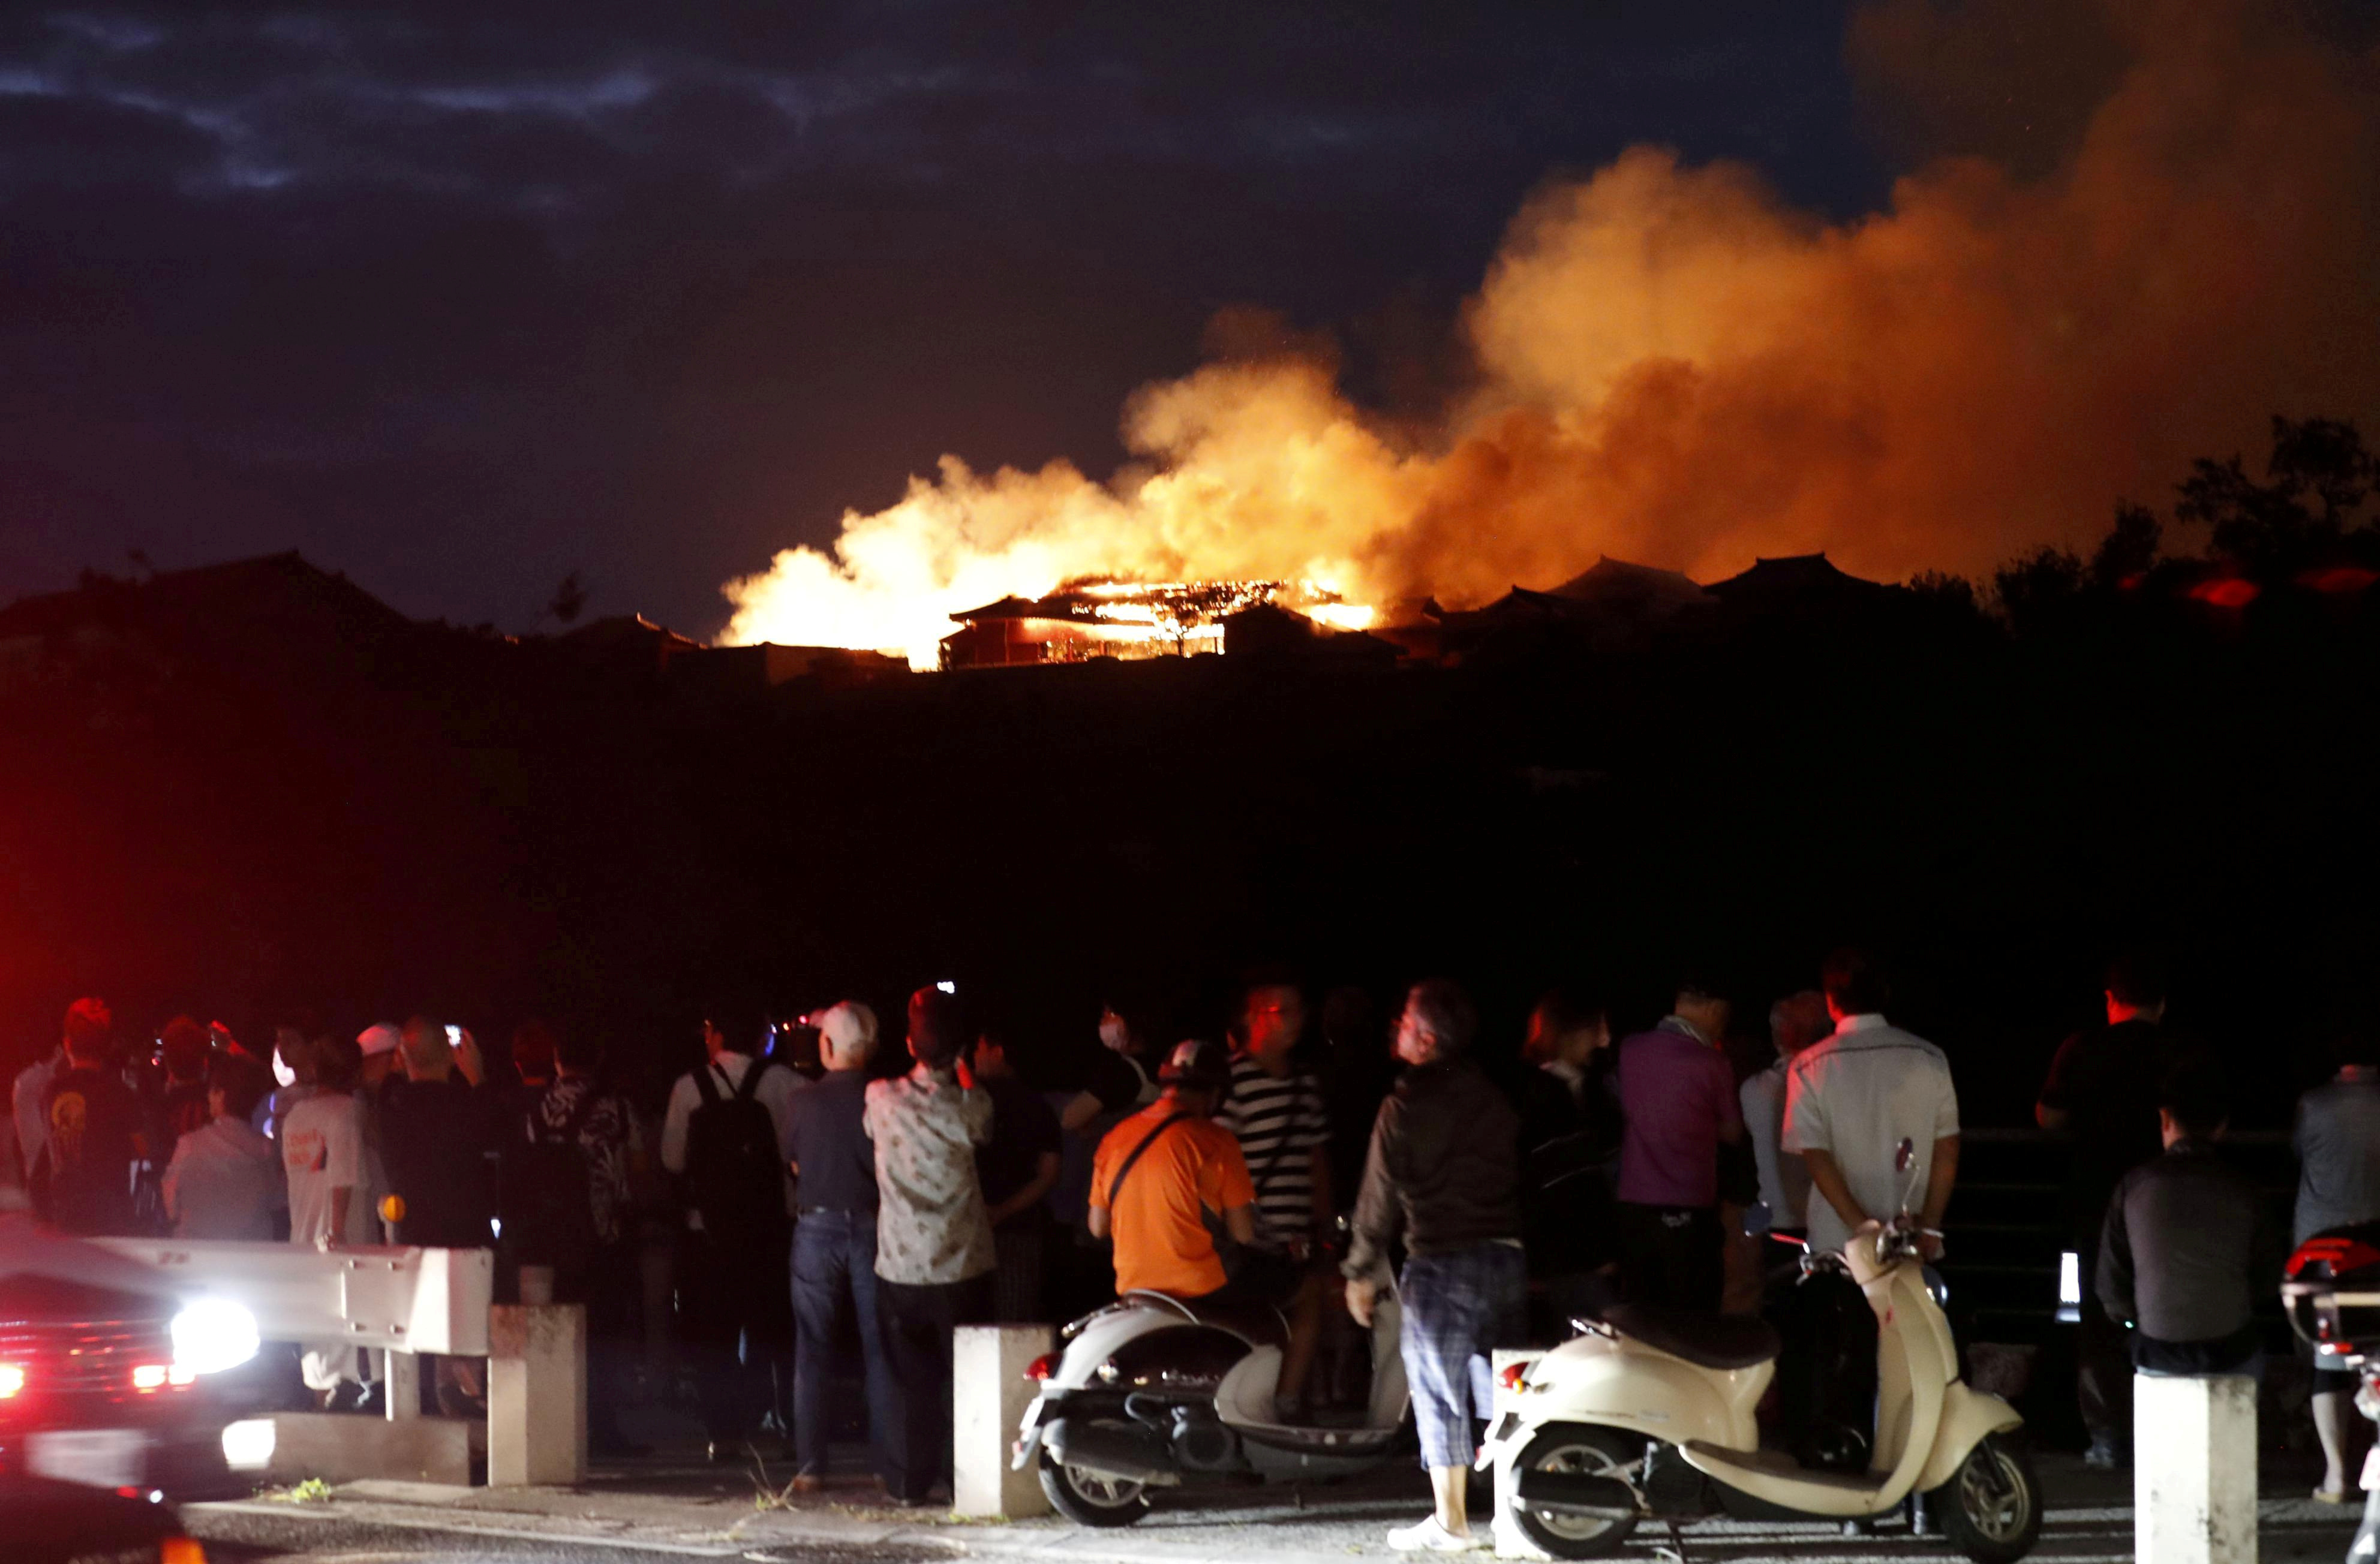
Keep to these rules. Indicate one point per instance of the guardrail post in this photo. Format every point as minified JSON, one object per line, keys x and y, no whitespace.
{"x":1510,"y":1541}
{"x":536,"y":1395}
{"x":2195,"y":1468}
{"x":989,"y":1395}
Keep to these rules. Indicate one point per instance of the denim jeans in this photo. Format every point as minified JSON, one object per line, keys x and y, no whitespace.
{"x":834,"y":1269}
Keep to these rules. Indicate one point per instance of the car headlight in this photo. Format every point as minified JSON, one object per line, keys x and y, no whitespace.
{"x":213,"y":1334}
{"x":248,"y":1445}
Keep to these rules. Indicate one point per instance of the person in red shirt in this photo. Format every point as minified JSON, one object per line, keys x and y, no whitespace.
{"x":1158,"y":1173}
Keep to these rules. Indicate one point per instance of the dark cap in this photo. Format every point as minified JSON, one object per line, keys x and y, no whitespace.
{"x":1199,"y":1064}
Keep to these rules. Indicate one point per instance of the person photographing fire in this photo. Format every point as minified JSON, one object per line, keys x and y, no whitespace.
{"x":1275,"y":1111}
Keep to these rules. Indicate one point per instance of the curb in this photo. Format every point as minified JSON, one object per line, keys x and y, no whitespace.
{"x":717,"y":1530}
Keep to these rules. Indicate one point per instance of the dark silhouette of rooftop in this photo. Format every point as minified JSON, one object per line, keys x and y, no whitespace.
{"x":281,"y":592}
{"x":1796,"y":578}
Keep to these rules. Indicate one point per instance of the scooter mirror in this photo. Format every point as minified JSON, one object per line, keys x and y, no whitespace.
{"x":1757,"y":1218}
{"x":1905,"y":1155}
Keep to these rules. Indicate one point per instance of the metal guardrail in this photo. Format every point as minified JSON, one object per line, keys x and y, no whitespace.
{"x":398,"y":1300}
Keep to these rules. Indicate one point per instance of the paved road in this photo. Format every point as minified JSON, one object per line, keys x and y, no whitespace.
{"x":242,"y":1535}
{"x":1327,"y":1531}
{"x":669,"y":1510}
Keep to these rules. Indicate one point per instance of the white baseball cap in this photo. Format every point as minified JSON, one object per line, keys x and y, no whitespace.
{"x":847,"y":1025}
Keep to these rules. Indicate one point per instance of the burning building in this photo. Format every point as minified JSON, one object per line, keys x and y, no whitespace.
{"x":1132,"y":620}
{"x":1614,"y":604}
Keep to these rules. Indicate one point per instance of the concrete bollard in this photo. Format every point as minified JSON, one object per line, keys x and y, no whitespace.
{"x":1510,"y":1541}
{"x":2193,"y":1468}
{"x":536,"y":1395}
{"x":400,"y":1383}
{"x":989,"y":1395}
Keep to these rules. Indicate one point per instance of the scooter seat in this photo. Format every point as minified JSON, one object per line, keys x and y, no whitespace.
{"x":1259,"y":1324}
{"x":1711,"y":1340}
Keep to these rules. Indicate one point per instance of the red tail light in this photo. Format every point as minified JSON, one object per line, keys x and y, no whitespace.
{"x":2339,"y":1254}
{"x":150,"y":1376}
{"x":1043,"y":1367}
{"x":1512,"y":1375}
{"x":12,"y":1381}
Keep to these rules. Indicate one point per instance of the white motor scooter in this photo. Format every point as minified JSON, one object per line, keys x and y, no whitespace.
{"x":1648,"y":1414}
{"x":1153,"y":1392}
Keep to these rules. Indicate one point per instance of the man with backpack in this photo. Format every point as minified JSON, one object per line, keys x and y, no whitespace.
{"x":721,"y":1138}
{"x":567,"y":1206}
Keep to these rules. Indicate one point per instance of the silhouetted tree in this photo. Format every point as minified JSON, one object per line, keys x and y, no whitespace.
{"x":2129,"y":551}
{"x":2268,"y":528}
{"x":1943,"y":586}
{"x":2325,"y":455}
{"x":2037,"y":586}
{"x":569,"y":600}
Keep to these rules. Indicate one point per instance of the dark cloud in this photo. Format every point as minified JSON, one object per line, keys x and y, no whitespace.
{"x":461,"y":296}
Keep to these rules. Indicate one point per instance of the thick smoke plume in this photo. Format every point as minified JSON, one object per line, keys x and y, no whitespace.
{"x":1673,"y":366}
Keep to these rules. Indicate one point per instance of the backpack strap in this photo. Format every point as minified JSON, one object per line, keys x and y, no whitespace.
{"x":702,"y":1086}
{"x":1142,"y":1075}
{"x":1259,"y":1178}
{"x":1115,"y":1185}
{"x":750,"y":1083}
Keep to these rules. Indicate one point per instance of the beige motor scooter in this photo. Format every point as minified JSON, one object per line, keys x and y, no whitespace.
{"x":1648,"y":1414}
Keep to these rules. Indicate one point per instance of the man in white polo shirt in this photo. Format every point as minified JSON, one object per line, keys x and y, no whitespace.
{"x":1851,"y":1101}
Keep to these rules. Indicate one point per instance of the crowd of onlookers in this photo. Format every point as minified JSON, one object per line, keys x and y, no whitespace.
{"x":805,"y":1197}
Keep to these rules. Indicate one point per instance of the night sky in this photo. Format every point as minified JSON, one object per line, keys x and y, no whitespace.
{"x":458,"y":298}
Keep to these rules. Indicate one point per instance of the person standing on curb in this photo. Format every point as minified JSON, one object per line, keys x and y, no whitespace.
{"x":1678,"y":1108}
{"x":2188,"y":1247}
{"x":834,"y":1247}
{"x":1444,"y":1173}
{"x":2101,"y":1093}
{"x":2336,"y":1138}
{"x":934,"y":1252}
{"x":723,"y":1139}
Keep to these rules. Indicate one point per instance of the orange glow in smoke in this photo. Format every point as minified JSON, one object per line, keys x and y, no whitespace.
{"x":1668,"y":363}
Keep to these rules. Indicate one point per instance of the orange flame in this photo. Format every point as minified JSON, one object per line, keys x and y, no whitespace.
{"x":1674,"y":366}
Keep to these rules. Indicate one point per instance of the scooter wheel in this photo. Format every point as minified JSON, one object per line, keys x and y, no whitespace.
{"x":1088,"y":1500}
{"x":1990,"y":1509}
{"x":1593,"y":1451}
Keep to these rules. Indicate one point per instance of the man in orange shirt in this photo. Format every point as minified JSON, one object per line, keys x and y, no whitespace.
{"x":1161,"y":1171}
